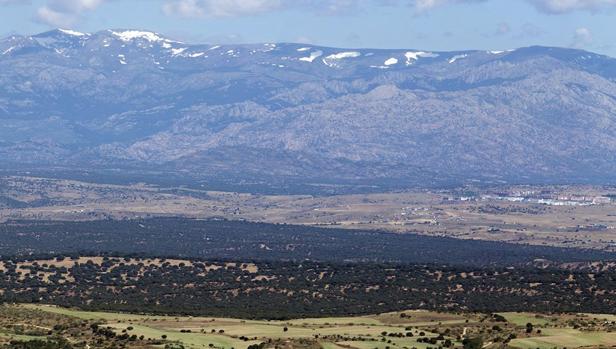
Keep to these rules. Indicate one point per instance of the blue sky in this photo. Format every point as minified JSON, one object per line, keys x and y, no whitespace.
{"x":419,"y":24}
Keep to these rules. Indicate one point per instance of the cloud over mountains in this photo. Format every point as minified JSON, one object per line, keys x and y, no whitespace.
{"x":67,"y":12}
{"x":192,"y":8}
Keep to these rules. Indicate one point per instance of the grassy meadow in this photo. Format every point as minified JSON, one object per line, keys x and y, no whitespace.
{"x":404,"y":330}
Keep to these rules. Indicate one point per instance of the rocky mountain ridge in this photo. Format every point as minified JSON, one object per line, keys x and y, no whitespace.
{"x":130,"y":99}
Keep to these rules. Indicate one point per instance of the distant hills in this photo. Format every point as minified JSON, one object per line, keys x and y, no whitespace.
{"x":137,"y":102}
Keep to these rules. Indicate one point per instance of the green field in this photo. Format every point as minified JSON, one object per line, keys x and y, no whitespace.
{"x":21,"y":337}
{"x":330,"y":345}
{"x":395,"y":343}
{"x":89,"y":315}
{"x":521,"y":319}
{"x":566,"y":338}
{"x":333,"y":333}
{"x":602,"y":317}
{"x":194,"y":340}
{"x":382,"y":331}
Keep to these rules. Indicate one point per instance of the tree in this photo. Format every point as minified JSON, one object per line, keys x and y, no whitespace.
{"x":473,"y":343}
{"x":529,"y":328}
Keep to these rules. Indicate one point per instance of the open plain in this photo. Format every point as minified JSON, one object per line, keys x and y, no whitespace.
{"x":564,"y":216}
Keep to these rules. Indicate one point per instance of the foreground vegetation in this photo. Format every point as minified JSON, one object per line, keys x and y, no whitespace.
{"x":42,"y":326}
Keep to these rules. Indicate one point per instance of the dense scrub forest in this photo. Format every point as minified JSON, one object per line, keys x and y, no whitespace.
{"x":238,"y":240}
{"x":280,"y":290}
{"x":254,"y":270}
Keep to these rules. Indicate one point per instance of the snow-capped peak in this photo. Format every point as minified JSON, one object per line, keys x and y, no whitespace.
{"x":129,"y":35}
{"x":72,"y":32}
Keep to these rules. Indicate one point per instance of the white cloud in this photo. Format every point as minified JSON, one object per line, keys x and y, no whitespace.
{"x":503,"y":28}
{"x":581,"y":38}
{"x":564,"y":6}
{"x":67,"y":12}
{"x":220,"y":8}
{"x":333,"y":6}
{"x":54,"y":18}
{"x":549,"y":6}
{"x":64,"y":13}
{"x":423,"y":5}
{"x":230,"y":8}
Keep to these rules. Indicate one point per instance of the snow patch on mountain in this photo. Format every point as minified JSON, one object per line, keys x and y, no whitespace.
{"x":342,"y":55}
{"x":412,"y":56}
{"x":500,"y":52}
{"x":232,"y":53}
{"x":61,"y":52}
{"x":9,"y":50}
{"x":333,"y":60}
{"x":391,"y":61}
{"x":73,"y":33}
{"x":313,"y":55}
{"x":177,"y":51}
{"x":269,"y":47}
{"x":130,"y":35}
{"x":456,"y":58}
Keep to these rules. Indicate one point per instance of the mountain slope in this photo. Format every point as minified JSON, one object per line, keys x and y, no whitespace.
{"x":131,"y":99}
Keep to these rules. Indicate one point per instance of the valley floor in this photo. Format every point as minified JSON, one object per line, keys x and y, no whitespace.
{"x":564,"y":216}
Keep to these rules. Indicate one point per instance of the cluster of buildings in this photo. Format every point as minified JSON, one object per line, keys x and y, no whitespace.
{"x":539,"y":197}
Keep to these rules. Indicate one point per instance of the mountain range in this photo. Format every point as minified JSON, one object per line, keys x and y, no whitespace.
{"x":135,"y":101}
